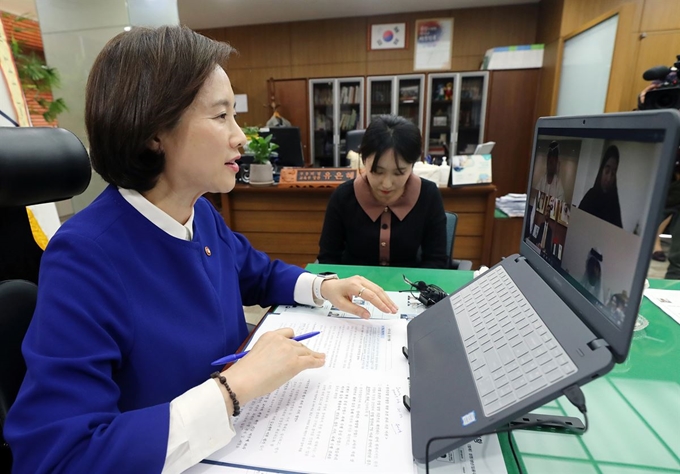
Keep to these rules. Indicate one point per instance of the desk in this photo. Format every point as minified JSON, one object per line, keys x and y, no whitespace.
{"x":634,"y":410}
{"x":507,"y":234}
{"x":286,"y":222}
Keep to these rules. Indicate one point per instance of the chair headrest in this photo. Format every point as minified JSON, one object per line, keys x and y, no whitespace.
{"x":40,"y":164}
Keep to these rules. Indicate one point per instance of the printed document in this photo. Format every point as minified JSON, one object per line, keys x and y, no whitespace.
{"x":481,"y":456}
{"x":408,"y":304}
{"x":347,"y":416}
{"x":667,"y":300}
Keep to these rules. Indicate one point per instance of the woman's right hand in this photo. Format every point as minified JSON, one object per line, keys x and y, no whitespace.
{"x":274,"y":360}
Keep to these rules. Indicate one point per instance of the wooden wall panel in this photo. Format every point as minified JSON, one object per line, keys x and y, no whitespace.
{"x":549,"y":21}
{"x":258,"y":46}
{"x":257,"y":221}
{"x":329,"y":70}
{"x":466,"y":63}
{"x":477,"y":29}
{"x":389,"y":67}
{"x":276,"y":200}
{"x":658,"y":15}
{"x":339,"y":47}
{"x":329,"y":42}
{"x":301,"y":260}
{"x":510,"y":123}
{"x":625,"y":48}
{"x":284,"y":242}
{"x":545,"y":103}
{"x":579,"y":12}
{"x":253,"y":81}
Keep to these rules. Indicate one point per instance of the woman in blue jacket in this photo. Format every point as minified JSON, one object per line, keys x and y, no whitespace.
{"x":141,"y":290}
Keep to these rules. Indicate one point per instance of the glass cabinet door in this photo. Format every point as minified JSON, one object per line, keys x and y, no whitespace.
{"x":441,"y":113}
{"x":471,"y":109}
{"x":323,"y":122}
{"x":350,"y":113}
{"x":410,"y":98}
{"x":379,"y":100}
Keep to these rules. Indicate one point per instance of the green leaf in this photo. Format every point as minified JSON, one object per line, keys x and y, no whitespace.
{"x":35,"y":76}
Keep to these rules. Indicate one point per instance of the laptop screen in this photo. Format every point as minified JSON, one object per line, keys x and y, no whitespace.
{"x":589,"y":206}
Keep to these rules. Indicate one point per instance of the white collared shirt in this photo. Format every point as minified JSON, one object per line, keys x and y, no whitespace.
{"x":199,"y":422}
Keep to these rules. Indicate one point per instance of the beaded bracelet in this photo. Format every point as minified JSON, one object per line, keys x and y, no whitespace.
{"x":232,"y":395}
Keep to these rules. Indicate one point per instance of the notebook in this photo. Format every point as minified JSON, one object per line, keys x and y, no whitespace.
{"x":562,"y":311}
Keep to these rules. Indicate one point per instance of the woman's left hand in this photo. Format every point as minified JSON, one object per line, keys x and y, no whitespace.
{"x":340,"y":293}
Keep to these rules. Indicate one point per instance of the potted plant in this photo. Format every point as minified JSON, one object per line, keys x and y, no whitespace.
{"x":36,"y":78}
{"x":261,"y":171}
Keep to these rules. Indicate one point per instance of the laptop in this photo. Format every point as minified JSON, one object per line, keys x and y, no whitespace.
{"x":562,"y":311}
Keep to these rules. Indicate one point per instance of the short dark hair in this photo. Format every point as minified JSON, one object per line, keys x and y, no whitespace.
{"x":140,"y":84}
{"x":387,"y":132}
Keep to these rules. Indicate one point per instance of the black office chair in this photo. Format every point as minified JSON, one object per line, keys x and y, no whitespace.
{"x":353,"y":140}
{"x":37,"y":165}
{"x":451,"y":224}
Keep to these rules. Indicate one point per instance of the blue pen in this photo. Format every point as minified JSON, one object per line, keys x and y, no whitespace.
{"x":235,"y":357}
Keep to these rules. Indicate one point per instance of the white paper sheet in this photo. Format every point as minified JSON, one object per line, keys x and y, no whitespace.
{"x":349,"y":344}
{"x":667,"y":300}
{"x":409,"y":307}
{"x":347,"y":416}
{"x":481,"y":456}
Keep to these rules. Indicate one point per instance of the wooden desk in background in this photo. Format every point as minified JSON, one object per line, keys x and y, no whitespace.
{"x":507,"y":234}
{"x":286,"y":222}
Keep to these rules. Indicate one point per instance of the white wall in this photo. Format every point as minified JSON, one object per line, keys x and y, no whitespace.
{"x":619,"y":249}
{"x":74,"y":32}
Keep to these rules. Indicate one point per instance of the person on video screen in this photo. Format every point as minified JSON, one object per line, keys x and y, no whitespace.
{"x":602,"y":200}
{"x":592,"y":278}
{"x":550,"y":184}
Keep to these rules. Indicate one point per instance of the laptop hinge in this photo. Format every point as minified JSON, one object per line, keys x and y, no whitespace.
{"x":598,"y":344}
{"x":520,"y":258}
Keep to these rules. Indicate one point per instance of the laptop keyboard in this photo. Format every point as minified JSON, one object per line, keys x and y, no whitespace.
{"x":510,"y":350}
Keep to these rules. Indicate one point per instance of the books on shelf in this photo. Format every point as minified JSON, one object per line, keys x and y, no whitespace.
{"x":348,"y":120}
{"x":349,"y":94}
{"x":323,"y":96}
{"x":381,"y":92}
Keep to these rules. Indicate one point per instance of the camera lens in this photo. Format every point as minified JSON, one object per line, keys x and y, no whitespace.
{"x":665,"y":101}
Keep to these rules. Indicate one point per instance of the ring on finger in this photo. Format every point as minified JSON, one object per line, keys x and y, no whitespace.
{"x":361,"y":291}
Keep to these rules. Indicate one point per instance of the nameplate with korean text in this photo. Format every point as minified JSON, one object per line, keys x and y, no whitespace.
{"x":315,"y":177}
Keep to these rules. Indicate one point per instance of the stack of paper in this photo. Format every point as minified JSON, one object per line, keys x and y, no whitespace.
{"x":347,"y":416}
{"x":512,"y":204}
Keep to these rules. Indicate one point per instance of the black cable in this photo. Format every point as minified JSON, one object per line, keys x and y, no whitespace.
{"x":514,"y":453}
{"x":573,"y":394}
{"x":578,"y":399}
{"x":9,"y":119}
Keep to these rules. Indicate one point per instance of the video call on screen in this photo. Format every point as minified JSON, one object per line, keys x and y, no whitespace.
{"x":587,"y":206}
